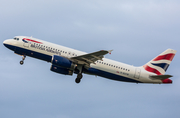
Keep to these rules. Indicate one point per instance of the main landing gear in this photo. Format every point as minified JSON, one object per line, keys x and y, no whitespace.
{"x":79,"y":75}
{"x":22,"y":61}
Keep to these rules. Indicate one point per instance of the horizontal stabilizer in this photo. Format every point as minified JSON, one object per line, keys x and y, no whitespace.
{"x":160,"y":77}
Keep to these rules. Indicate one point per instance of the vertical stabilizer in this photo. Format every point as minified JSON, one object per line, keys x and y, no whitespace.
{"x":160,"y":64}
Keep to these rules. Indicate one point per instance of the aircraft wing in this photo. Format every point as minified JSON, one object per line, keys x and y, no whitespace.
{"x":89,"y":58}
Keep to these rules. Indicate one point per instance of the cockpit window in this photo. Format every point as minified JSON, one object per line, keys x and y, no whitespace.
{"x":16,"y":38}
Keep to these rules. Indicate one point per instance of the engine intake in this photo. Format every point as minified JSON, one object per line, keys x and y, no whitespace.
{"x":60,"y":70}
{"x":62,"y":62}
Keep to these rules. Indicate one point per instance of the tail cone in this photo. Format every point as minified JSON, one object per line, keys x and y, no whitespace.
{"x":167,"y":81}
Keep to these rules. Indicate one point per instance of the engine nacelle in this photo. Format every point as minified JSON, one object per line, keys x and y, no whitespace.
{"x":60,"y":70}
{"x":62,"y":62}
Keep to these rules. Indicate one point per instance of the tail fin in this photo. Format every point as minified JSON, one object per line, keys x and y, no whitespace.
{"x":160,"y":64}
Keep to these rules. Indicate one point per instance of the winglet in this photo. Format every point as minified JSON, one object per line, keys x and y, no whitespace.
{"x":110,"y":51}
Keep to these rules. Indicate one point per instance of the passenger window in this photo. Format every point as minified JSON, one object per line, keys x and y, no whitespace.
{"x":17,"y":38}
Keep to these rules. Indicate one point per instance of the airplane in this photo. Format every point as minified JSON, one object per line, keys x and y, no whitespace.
{"x":69,"y":61}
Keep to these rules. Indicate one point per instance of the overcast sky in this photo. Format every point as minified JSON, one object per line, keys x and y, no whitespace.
{"x":137,"y":31}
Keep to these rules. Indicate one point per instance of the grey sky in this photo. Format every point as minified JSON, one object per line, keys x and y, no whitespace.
{"x":137,"y":31}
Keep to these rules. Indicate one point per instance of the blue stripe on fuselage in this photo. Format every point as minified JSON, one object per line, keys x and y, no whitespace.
{"x":48,"y":58}
{"x":23,"y":51}
{"x":10,"y":47}
{"x":110,"y":75}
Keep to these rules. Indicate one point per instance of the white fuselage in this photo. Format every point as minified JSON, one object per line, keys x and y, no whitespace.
{"x":107,"y":68}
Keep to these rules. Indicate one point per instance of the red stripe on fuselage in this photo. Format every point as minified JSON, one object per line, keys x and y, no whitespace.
{"x":169,"y":57}
{"x":146,"y":67}
{"x":32,"y":40}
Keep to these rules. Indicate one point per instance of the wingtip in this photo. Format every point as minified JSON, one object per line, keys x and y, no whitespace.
{"x":110,"y":51}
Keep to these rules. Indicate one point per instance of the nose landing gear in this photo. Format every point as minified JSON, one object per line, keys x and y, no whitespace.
{"x":22,"y":61}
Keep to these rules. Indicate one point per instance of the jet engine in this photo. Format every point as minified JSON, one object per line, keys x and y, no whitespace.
{"x":62,"y":62}
{"x":61,"y":70}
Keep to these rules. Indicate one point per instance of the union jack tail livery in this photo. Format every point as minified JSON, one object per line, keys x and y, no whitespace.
{"x":160,"y":64}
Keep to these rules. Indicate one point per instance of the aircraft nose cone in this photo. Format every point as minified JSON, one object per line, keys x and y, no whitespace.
{"x":9,"y":44}
{"x":5,"y":43}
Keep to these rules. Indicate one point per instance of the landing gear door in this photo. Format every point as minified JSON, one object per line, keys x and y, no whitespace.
{"x":137,"y":73}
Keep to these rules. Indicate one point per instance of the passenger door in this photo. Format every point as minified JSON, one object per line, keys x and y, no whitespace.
{"x":137,"y":73}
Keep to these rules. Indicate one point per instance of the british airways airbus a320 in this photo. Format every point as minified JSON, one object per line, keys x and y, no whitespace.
{"x":68,"y":61}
